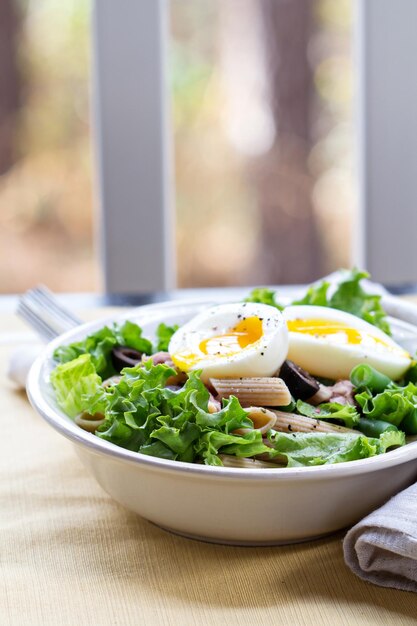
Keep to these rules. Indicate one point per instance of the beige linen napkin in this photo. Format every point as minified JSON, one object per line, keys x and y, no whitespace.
{"x":382,"y":548}
{"x":20,"y":362}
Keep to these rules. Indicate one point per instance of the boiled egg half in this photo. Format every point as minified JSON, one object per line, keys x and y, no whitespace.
{"x":327,"y":342}
{"x":232,"y":340}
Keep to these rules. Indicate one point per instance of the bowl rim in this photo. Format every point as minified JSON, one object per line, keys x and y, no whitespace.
{"x":67,"y":427}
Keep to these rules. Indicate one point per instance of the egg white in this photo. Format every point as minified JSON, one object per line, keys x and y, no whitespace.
{"x":260,"y":358}
{"x":329,"y":358}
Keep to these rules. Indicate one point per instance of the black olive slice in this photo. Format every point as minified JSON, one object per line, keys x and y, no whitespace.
{"x":125,"y":357}
{"x":300,"y":383}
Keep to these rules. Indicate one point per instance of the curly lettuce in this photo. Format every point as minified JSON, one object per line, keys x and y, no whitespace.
{"x":309,"y":449}
{"x":99,"y":346}
{"x":263,"y":295}
{"x":144,"y":415}
{"x":163,"y":336}
{"x":346,"y":413}
{"x":348,"y":296}
{"x":394,"y":405}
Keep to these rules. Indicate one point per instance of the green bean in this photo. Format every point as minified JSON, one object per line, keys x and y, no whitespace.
{"x":409,"y":423}
{"x":374,"y":428}
{"x":364,"y":375}
{"x":411,"y":374}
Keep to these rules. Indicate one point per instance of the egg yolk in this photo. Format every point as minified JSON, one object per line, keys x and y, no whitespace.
{"x":246,"y":332}
{"x":341,"y":333}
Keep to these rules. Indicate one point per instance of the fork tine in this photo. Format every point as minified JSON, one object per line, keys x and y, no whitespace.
{"x":39,"y":308}
{"x":40,"y":325}
{"x":43,"y":296}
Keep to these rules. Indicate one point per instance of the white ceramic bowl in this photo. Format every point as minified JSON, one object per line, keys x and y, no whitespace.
{"x":224,"y":505}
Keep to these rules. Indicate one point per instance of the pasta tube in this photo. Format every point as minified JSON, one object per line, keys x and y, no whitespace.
{"x":89,"y":422}
{"x":254,"y":391}
{"x":289,"y":422}
{"x":263,"y":420}
{"x":229,"y":460}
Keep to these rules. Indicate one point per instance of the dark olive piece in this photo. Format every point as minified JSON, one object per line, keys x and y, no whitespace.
{"x":122,"y":356}
{"x":301,"y":385}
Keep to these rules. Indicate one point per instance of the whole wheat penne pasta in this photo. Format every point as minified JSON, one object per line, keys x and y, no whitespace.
{"x":254,"y":391}
{"x":263,"y":420}
{"x":289,"y":422}
{"x":233,"y":461}
{"x":113,"y":380}
{"x":89,"y":422}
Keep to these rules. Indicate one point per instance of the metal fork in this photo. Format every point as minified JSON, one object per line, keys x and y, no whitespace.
{"x":40,"y":309}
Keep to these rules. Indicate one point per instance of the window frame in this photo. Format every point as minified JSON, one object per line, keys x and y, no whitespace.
{"x":132,"y":140}
{"x":385,"y":232}
{"x":133,"y":143}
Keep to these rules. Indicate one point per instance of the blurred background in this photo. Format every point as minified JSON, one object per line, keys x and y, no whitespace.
{"x":262,"y":115}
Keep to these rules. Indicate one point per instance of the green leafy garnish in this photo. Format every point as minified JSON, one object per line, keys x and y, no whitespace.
{"x":316,"y":295}
{"x":145,"y":416}
{"x":346,"y":413}
{"x":309,"y":449}
{"x":100,"y":344}
{"x":348,"y":296}
{"x":78,"y":387}
{"x":393,"y":405}
{"x":263,"y":295}
{"x":163,"y":336}
{"x":142,"y":414}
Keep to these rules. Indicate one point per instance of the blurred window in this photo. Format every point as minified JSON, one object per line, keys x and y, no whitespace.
{"x":262,"y":94}
{"x":262,"y":120}
{"x":46,"y":230}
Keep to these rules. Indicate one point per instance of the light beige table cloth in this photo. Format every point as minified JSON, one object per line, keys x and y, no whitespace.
{"x":70,"y":556}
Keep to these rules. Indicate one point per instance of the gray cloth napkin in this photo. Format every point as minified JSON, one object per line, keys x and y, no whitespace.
{"x":382,"y":548}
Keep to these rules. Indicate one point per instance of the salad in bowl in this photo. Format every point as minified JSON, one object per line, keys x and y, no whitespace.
{"x":257,"y":422}
{"x":249,"y":384}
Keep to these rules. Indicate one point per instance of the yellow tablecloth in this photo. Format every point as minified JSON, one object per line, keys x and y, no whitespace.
{"x":69,"y":555}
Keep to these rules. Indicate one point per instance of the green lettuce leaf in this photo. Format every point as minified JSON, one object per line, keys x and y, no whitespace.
{"x":316,"y":295}
{"x":390,"y":439}
{"x":100,"y":344}
{"x":163,"y":336}
{"x":346,"y":413}
{"x":348,"y":296}
{"x":229,"y":418}
{"x":263,"y":295}
{"x":143,"y":415}
{"x":129,"y":334}
{"x":78,"y":387}
{"x":213,"y":443}
{"x":392,"y":405}
{"x":179,"y":439}
{"x":309,"y":449}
